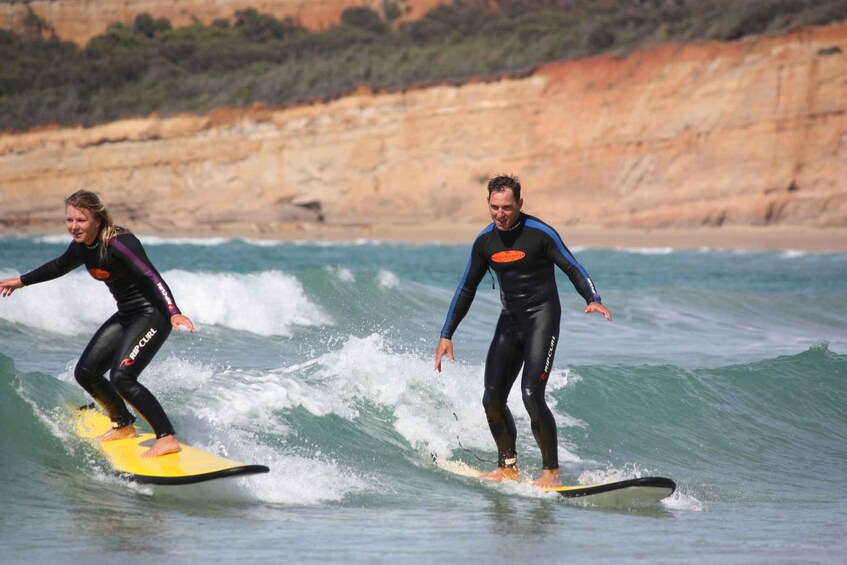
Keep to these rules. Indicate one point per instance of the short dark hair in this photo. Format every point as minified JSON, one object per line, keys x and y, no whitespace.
{"x":501,"y":182}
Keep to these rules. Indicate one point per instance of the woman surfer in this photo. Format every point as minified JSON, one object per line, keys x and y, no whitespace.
{"x":127,"y":342}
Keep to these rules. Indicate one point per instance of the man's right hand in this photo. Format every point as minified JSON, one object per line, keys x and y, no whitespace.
{"x":444,"y":346}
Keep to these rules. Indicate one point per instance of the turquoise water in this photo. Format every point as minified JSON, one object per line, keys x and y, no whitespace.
{"x":726,"y":371}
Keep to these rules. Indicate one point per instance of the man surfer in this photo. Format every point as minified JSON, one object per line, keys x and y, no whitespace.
{"x":126,"y":343}
{"x":522,"y":251}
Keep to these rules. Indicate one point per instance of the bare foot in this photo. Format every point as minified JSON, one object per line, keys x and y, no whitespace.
{"x":163,"y":446}
{"x":118,"y":433}
{"x":549,"y":479}
{"x":501,"y":474}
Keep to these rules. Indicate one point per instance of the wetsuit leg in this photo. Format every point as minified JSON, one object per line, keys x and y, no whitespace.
{"x":92,"y":366}
{"x":542,"y":336}
{"x":143,"y":335}
{"x":504,"y":360}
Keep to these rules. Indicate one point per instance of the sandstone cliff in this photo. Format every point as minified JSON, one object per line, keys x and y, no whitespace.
{"x":80,"y":20}
{"x":747,"y":133}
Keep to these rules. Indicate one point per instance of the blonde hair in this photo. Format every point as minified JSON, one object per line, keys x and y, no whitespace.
{"x":87,"y":200}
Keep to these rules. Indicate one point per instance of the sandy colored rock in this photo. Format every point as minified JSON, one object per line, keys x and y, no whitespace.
{"x":749,"y":133}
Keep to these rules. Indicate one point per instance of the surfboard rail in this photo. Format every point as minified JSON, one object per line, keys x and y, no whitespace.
{"x":577,"y":491}
{"x":192,"y":479}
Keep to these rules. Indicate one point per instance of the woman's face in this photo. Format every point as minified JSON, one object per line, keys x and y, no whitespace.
{"x":82,"y":225}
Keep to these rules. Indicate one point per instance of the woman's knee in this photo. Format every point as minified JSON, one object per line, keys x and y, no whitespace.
{"x":123,"y":382}
{"x":86,"y":376}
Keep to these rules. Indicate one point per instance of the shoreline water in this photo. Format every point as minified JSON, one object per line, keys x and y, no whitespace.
{"x":742,"y":238}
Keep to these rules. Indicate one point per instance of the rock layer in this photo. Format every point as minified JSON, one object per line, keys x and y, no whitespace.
{"x":745,"y":133}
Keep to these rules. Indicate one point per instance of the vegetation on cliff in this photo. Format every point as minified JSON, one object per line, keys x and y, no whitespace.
{"x":255,"y":58}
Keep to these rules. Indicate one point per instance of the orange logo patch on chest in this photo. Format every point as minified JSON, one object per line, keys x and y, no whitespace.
{"x":508,"y":256}
{"x":99,"y":274}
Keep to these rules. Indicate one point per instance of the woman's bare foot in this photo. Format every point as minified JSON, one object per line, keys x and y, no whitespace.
{"x":509,"y":473}
{"x":163,"y":446}
{"x":118,"y":433}
{"x":549,"y":479}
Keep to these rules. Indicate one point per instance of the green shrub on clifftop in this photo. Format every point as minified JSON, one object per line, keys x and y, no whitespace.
{"x":255,"y":58}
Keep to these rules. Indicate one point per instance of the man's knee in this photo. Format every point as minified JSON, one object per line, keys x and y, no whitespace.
{"x":493,"y":402}
{"x":533,"y":399}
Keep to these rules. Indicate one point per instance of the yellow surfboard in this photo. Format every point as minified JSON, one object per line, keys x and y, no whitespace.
{"x":189,"y":465}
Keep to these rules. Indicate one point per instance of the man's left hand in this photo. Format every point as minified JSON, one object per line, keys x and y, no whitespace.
{"x":597,"y":307}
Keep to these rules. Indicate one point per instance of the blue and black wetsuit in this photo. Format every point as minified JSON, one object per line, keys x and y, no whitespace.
{"x":527,"y":332}
{"x":126,"y":343}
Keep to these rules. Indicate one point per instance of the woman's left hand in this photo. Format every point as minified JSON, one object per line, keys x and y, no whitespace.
{"x":178,"y":320}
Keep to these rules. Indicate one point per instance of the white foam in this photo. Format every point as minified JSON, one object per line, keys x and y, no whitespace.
{"x":433,"y":412}
{"x":682,"y":501}
{"x":221,"y":411}
{"x":647,"y":250}
{"x":76,"y":303}
{"x":300,"y":480}
{"x":229,"y":411}
{"x":608,"y":475}
{"x":343,"y":274}
{"x":387,"y":279}
{"x":60,"y":239}
{"x":242,"y":403}
{"x":350,"y":243}
{"x":228,"y":408}
{"x":266,"y":303}
{"x":196,"y":241}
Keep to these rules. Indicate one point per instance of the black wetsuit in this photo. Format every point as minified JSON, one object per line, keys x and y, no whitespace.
{"x":126,"y":343}
{"x":528,"y":329}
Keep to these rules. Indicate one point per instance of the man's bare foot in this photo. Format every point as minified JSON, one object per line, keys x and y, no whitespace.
{"x":118,"y":433}
{"x":549,"y":479}
{"x":509,"y":473}
{"x":163,"y":446}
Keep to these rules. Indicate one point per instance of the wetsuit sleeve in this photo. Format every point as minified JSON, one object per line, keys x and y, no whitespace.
{"x":127,"y":249}
{"x":62,"y":265}
{"x":564,"y":259}
{"x":462,"y":299}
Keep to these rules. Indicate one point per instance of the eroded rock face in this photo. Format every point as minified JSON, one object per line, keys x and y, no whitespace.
{"x":80,"y":20}
{"x":751,"y":133}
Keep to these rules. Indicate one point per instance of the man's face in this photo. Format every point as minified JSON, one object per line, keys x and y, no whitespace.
{"x":504,"y":209}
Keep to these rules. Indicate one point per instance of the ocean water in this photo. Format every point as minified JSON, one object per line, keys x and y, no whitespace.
{"x":726,"y":371}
